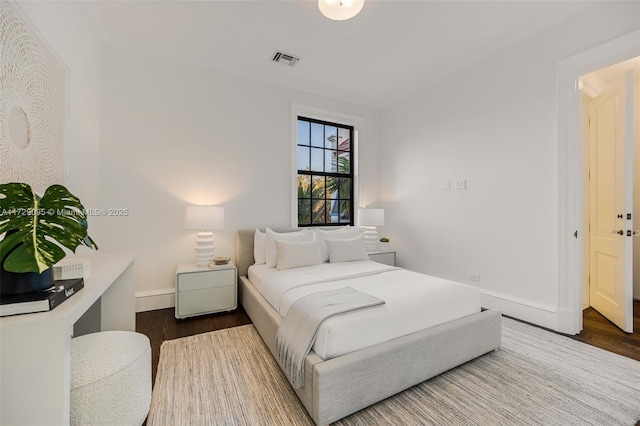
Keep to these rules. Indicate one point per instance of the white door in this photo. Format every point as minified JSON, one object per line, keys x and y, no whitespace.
{"x":611,"y":204}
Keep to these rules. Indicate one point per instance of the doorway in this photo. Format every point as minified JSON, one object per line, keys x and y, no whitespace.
{"x":611,"y":273}
{"x":571,"y":179}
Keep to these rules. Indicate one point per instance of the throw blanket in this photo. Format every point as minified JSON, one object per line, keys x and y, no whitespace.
{"x":297,"y":333}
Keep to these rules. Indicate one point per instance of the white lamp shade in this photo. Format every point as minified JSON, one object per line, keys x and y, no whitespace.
{"x":371,"y":217}
{"x":340,"y":10}
{"x":204,"y":218}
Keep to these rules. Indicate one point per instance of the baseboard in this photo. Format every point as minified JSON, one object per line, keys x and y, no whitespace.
{"x":535,"y":313}
{"x":155,"y":299}
{"x":569,"y":322}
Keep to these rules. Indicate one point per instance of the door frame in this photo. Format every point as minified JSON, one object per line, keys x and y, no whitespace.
{"x":570,"y":164}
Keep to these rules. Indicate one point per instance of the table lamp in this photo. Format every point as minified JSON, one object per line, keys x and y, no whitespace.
{"x":204,"y":219}
{"x":368,"y":219}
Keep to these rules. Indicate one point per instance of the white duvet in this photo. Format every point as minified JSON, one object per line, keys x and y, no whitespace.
{"x":413,"y":301}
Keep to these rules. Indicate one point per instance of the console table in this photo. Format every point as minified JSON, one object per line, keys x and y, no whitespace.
{"x":35,"y":356}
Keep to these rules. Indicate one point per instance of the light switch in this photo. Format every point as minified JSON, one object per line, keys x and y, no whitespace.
{"x":461,"y":184}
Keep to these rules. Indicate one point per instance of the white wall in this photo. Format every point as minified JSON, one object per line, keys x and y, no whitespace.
{"x":68,"y":31}
{"x":495,"y":125}
{"x":175,"y":134}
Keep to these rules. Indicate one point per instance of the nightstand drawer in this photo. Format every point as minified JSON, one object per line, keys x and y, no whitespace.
{"x":207,"y":300}
{"x":206,"y":280}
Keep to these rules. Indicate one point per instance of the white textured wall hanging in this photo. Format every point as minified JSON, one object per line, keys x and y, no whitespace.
{"x":32,"y":94}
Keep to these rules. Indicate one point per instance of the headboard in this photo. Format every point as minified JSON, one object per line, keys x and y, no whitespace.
{"x":244,"y":248}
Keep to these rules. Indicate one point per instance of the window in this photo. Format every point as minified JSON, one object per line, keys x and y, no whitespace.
{"x":325,"y":173}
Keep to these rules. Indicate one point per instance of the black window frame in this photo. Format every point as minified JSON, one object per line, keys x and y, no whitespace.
{"x":311,"y":173}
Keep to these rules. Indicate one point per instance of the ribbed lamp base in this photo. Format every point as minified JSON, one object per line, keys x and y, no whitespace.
{"x":205,"y":246}
{"x":371,"y":239}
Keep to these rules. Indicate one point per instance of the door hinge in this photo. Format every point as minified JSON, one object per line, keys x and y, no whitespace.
{"x":575,"y":234}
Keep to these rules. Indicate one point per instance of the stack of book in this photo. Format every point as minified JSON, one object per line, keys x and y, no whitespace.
{"x":40,"y":301}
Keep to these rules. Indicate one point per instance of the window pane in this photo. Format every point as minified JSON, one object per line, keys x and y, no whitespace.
{"x":344,"y":162}
{"x":304,"y":211}
{"x":331,"y":137}
{"x":317,"y":135}
{"x":303,"y":158}
{"x":318,"y":211}
{"x":318,"y":187}
{"x":344,"y":141}
{"x":333,"y":185}
{"x":317,"y":165}
{"x":330,"y":217}
{"x":330,"y":164}
{"x":345,"y":211}
{"x":303,"y":132}
{"x":304,"y":187}
{"x":344,"y":188}
{"x":335,"y":211}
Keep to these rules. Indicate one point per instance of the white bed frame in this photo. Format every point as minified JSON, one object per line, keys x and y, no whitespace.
{"x":341,"y":386}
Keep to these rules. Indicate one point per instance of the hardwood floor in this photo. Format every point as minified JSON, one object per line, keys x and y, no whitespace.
{"x":161,"y":325}
{"x":599,"y":331}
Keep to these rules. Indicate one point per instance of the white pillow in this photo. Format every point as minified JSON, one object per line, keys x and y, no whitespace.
{"x":259,"y":247}
{"x":272,"y":251}
{"x":343,"y":233}
{"x":347,"y":250}
{"x":345,"y":228}
{"x":296,"y":255}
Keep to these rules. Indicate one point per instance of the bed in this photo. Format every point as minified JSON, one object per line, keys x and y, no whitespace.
{"x":340,"y":380}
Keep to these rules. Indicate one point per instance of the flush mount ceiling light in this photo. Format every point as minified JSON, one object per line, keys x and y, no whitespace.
{"x":340,"y":10}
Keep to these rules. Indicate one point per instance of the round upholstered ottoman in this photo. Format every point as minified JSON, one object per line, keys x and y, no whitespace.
{"x":110,"y":378}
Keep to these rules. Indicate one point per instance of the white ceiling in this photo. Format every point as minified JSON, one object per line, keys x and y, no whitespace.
{"x":389,"y":50}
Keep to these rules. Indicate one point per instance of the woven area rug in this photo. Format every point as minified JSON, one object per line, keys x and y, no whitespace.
{"x":228,"y":377}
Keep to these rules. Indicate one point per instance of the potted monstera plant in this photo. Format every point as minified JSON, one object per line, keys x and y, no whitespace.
{"x":34,"y":231}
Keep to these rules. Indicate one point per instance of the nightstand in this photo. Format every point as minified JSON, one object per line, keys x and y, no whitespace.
{"x":205,"y":290}
{"x":386,"y":257}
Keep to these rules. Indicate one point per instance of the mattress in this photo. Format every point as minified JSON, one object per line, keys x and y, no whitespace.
{"x":413,"y":301}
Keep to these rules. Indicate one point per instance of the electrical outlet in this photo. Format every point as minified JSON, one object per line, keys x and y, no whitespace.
{"x":474,"y":277}
{"x":461,"y":184}
{"x":446,"y":186}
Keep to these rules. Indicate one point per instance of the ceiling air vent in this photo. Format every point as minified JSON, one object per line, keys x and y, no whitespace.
{"x":285,"y":58}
